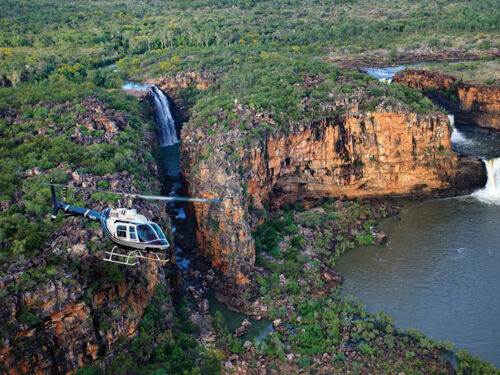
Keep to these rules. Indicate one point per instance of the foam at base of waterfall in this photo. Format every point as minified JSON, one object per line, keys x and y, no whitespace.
{"x":457,"y":137}
{"x":491,"y":192}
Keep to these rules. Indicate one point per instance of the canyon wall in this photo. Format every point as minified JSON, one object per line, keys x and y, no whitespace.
{"x":357,"y":154}
{"x":472,"y":104}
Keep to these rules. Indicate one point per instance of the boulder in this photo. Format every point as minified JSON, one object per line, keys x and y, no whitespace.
{"x":204,"y":306}
{"x":379,"y":238}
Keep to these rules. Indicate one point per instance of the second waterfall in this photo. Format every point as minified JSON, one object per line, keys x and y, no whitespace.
{"x":164,"y":119}
{"x":491,"y":192}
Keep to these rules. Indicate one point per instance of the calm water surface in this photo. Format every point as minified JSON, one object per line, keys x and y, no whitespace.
{"x":439,"y":272}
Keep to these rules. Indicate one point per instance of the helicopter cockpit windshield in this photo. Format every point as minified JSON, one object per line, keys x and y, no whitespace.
{"x":146,"y":233}
{"x":157,"y":230}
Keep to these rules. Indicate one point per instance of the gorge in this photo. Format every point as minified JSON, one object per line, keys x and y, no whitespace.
{"x":281,"y":170}
{"x":335,"y":165}
{"x":358,"y":155}
{"x":297,"y":166}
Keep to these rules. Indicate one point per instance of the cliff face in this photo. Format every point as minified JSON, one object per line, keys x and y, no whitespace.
{"x":358,"y":154}
{"x":61,"y":306}
{"x":63,"y":323}
{"x":201,"y":80}
{"x":479,"y":105}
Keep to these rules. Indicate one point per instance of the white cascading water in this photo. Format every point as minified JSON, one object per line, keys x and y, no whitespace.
{"x":164,"y":119}
{"x":451,"y":118}
{"x":491,"y":192}
{"x":456,"y":136}
{"x":384,"y":75}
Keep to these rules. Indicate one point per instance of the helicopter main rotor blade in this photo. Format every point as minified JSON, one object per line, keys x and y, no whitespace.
{"x":94,"y":190}
{"x":132,"y":195}
{"x":178,"y":199}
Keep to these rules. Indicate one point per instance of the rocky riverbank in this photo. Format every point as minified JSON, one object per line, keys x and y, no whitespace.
{"x":296,"y":286}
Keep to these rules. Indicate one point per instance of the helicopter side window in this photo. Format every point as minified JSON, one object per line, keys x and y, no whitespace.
{"x":146,"y":233}
{"x":121,"y":231}
{"x":157,"y":230}
{"x":132,"y":233}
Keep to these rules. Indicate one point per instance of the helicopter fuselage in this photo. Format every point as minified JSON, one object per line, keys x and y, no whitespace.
{"x":124,"y":226}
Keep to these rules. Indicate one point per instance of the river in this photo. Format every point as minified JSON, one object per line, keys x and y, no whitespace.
{"x":439,"y":270}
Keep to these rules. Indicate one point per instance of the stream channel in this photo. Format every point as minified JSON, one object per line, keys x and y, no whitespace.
{"x":170,"y":152}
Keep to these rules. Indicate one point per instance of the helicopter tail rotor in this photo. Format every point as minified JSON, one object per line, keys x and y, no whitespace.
{"x":55,"y":204}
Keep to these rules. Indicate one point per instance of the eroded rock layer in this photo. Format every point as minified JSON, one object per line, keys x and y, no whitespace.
{"x":357,"y":154}
{"x":473,"y":104}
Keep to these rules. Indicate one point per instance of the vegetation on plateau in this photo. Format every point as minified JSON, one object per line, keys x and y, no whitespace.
{"x":486,"y":72}
{"x":275,"y":57}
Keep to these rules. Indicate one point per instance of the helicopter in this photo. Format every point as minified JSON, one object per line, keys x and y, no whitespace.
{"x":127,"y":229}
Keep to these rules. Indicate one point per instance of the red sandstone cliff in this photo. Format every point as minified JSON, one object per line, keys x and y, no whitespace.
{"x":473,"y":104}
{"x":358,"y":154}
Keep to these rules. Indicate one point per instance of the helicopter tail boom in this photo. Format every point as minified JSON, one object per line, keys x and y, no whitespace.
{"x":71,"y":210}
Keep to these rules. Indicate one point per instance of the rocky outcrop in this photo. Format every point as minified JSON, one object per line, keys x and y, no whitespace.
{"x":200,"y":80}
{"x":61,"y":306}
{"x":63,"y":322}
{"x":356,"y":154}
{"x":472,"y":104}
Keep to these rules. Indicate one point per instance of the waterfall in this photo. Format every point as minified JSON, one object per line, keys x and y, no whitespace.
{"x":491,"y":192}
{"x":451,"y":118}
{"x":164,"y":119}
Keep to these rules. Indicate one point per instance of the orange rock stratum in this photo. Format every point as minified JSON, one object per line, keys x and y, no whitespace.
{"x":358,"y":154}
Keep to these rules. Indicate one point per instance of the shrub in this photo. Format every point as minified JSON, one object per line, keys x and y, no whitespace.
{"x":334,"y":216}
{"x":291,"y":229}
{"x":468,"y":365}
{"x":310,"y":219}
{"x":293,"y":287}
{"x":90,"y":370}
{"x":364,"y":239}
{"x":299,"y":242}
{"x":103,"y":184}
{"x":366,"y":349}
{"x":304,"y":361}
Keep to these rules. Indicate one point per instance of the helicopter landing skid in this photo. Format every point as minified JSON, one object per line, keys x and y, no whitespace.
{"x":132,"y":257}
